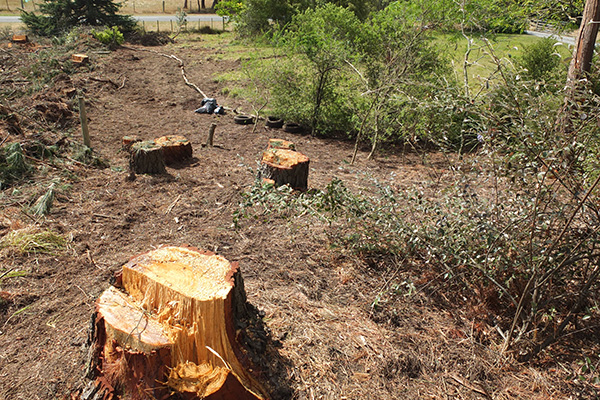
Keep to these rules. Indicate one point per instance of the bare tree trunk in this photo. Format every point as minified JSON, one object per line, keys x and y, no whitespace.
{"x":214,"y":3}
{"x":185,"y":4}
{"x":582,"y":60}
{"x":586,"y":40}
{"x":203,"y":3}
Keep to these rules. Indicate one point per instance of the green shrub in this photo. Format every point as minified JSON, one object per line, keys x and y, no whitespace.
{"x":540,"y":61}
{"x":111,"y":37}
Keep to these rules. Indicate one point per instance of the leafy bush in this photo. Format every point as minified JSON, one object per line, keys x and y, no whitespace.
{"x":111,"y":37}
{"x":540,"y":61}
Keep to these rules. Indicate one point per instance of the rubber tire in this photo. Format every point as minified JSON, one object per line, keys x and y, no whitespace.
{"x":293,"y":128}
{"x":243,"y":119}
{"x":274,"y":122}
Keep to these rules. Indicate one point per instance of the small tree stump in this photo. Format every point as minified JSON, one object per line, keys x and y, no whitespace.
{"x":175,"y":148}
{"x":20,"y":39}
{"x":146,"y":158}
{"x":173,"y":329}
{"x":281,"y":144}
{"x":285,"y":167}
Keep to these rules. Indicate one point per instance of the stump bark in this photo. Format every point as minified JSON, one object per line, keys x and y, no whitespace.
{"x":146,"y":158}
{"x":175,"y":148}
{"x":285,"y":167}
{"x":171,"y":329}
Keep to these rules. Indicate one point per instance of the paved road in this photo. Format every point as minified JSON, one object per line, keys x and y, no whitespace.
{"x":563,"y":39}
{"x":13,"y":19}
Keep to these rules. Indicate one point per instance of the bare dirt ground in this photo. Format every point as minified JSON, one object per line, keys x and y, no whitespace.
{"x":325,"y":339}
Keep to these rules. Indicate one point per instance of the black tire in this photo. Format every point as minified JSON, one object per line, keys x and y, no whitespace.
{"x":292,"y":128}
{"x":274,"y":122}
{"x":243,"y":119}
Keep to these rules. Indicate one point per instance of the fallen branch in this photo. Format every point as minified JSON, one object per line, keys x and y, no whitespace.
{"x":181,"y":66}
{"x":105,"y":81}
{"x":468,"y":385}
{"x":7,"y":52}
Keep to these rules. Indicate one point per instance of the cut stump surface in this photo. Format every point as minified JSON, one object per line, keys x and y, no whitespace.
{"x":172,"y":329}
{"x":175,"y":148}
{"x":281,"y":144}
{"x":285,"y":167}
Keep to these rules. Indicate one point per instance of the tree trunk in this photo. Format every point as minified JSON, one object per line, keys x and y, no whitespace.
{"x":203,"y":4}
{"x":581,"y":62}
{"x":175,"y":148}
{"x":146,"y":158}
{"x":584,"y":45}
{"x":172,"y":329}
{"x":285,"y":167}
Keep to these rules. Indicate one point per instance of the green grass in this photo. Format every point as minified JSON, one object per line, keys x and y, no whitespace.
{"x":507,"y":48}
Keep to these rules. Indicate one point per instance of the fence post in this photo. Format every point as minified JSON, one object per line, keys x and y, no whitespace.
{"x":163,"y":6}
{"x":84,"y":122}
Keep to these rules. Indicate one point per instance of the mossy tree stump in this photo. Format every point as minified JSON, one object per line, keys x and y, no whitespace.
{"x":175,"y":148}
{"x":171,"y":329}
{"x":146,"y":158}
{"x":285,"y":167}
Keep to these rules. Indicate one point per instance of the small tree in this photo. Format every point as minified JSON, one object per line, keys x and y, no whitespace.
{"x":58,"y":16}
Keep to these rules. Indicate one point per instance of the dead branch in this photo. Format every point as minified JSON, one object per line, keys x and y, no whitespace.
{"x":468,"y":385}
{"x":7,"y":52}
{"x":116,"y":85}
{"x":181,"y":66}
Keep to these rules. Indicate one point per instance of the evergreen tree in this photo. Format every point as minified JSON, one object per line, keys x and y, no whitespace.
{"x":58,"y":16}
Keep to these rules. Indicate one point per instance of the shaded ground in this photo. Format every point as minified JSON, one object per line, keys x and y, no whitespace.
{"x":328,"y":341}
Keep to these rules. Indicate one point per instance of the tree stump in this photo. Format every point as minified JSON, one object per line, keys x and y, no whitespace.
{"x":172,"y":329}
{"x":175,"y":148}
{"x":146,"y":158}
{"x":285,"y":167}
{"x":128,"y":141}
{"x":281,"y":144}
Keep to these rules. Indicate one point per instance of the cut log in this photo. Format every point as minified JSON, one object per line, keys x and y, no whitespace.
{"x":172,"y":329}
{"x":146,"y":158}
{"x":281,"y":144}
{"x":20,"y":39}
{"x":175,"y":148}
{"x":285,"y":167}
{"x":80,"y":59}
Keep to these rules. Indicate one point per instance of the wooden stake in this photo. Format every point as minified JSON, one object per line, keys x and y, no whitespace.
{"x":211,"y":134}
{"x":84,"y":122}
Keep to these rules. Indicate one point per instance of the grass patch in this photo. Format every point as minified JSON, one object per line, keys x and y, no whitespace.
{"x":32,"y":240}
{"x":506,"y":47}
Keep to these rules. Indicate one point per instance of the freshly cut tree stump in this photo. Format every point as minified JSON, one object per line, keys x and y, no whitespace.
{"x":281,"y":144}
{"x":172,"y":329}
{"x":285,"y":167}
{"x":146,"y":158}
{"x":175,"y":148}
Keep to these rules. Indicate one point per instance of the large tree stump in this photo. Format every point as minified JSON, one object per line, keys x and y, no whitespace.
{"x":146,"y":158}
{"x":172,"y":329}
{"x":285,"y":167}
{"x":175,"y":148}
